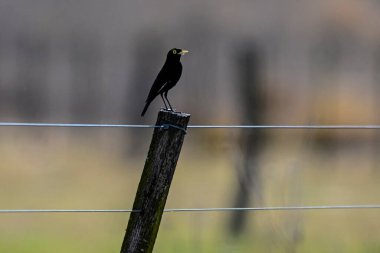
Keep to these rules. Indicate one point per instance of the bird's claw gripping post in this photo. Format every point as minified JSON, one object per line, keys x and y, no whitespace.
{"x":168,"y":109}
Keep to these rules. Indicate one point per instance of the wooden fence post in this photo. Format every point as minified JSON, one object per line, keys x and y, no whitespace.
{"x":155,"y":182}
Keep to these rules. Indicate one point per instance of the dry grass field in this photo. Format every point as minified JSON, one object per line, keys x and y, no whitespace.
{"x":49,"y":170}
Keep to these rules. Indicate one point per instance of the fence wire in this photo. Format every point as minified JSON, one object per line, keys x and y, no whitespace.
{"x":39,"y":124}
{"x":223,"y":209}
{"x":216,"y":209}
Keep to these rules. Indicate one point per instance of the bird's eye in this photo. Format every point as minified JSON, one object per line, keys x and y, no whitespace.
{"x":174,"y":51}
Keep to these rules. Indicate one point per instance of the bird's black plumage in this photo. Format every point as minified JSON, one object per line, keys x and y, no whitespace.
{"x":167,"y":78}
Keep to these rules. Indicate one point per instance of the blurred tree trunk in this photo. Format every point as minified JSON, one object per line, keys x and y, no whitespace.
{"x":32,"y":54}
{"x":249,"y":65}
{"x":85,"y":64}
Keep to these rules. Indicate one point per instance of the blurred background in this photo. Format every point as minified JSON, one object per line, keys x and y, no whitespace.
{"x":250,"y":62}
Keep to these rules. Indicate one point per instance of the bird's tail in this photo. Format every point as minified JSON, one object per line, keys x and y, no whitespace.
{"x":145,"y":108}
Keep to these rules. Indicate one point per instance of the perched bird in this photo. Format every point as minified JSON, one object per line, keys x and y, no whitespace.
{"x":166,"y":79}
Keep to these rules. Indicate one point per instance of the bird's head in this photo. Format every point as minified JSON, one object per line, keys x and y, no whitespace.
{"x":176,"y":53}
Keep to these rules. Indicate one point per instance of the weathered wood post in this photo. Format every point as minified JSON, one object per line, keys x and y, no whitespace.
{"x":155,"y":182}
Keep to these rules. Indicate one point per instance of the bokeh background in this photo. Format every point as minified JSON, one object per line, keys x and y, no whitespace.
{"x":250,"y":62}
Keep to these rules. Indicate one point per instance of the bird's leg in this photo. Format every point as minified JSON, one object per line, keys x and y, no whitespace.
{"x":166,"y":107}
{"x":170,"y":106}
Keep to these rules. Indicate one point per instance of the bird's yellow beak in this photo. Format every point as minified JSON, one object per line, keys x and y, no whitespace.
{"x":183,"y":52}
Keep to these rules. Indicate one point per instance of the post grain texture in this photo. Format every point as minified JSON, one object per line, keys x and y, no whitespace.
{"x":155,"y":182}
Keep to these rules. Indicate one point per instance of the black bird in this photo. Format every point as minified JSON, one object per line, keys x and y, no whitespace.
{"x":166,"y":79}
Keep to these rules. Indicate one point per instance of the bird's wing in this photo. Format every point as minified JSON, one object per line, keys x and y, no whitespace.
{"x":158,"y":84}
{"x":164,"y":87}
